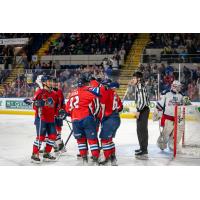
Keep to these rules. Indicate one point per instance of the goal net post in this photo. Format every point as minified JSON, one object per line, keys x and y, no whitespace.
{"x":187,"y":130}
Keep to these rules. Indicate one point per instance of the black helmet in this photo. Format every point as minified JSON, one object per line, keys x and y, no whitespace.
{"x":138,"y":74}
{"x":54,"y":79}
{"x":106,"y":82}
{"x":84,"y":79}
{"x":45,"y":78}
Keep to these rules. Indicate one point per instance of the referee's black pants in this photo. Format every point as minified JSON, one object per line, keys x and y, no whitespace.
{"x":142,"y":128}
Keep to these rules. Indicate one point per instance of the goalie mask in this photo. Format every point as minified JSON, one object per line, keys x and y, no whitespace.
{"x":176,"y":86}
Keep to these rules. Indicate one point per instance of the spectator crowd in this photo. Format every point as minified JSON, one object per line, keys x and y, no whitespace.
{"x":24,"y":85}
{"x":177,"y":47}
{"x":159,"y":77}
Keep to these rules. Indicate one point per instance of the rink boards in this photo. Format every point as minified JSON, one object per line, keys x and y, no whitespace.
{"x":16,"y":106}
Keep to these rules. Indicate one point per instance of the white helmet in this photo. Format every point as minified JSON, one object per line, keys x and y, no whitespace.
{"x":176,"y":86}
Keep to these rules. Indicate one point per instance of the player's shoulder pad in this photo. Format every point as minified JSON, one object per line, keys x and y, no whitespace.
{"x":165,"y":92}
{"x":38,"y":92}
{"x":95,"y":91}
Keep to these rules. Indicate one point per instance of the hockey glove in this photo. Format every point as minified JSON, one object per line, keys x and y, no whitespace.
{"x":62,"y":114}
{"x":186,"y":101}
{"x":28,"y":101}
{"x":39,"y":103}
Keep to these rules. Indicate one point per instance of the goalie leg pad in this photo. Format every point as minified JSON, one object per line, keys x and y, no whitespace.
{"x":180,"y":129}
{"x":164,"y":136}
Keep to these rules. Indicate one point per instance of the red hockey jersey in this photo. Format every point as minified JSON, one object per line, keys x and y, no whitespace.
{"x":111,"y":101}
{"x":48,"y":111}
{"x":61,"y":100}
{"x":82,"y":103}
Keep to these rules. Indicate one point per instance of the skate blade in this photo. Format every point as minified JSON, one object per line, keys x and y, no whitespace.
{"x":114,"y":164}
{"x":48,"y":160}
{"x":63,"y":151}
{"x":143,"y":157}
{"x":85,"y":163}
{"x":36,"y":162}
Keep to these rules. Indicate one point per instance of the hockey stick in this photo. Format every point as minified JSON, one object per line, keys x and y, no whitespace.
{"x":70,"y":132}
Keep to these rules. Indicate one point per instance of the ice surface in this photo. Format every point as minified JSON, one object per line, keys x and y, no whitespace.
{"x":17,"y":134}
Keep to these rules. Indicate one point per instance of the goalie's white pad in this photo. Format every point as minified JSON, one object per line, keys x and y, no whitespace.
{"x":162,"y":142}
{"x":156,"y":115}
{"x":164,"y":136}
{"x":180,"y":130}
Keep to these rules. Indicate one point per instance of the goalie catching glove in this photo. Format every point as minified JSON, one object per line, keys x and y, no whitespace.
{"x":186,"y":101}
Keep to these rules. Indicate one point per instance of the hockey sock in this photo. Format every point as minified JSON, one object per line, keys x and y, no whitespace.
{"x":58,"y":138}
{"x":58,"y":129}
{"x":108,"y":147}
{"x":82,"y":146}
{"x":94,"y":147}
{"x":37,"y":144}
{"x":50,"y":143}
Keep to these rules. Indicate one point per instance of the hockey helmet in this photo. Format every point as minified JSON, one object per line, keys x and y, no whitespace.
{"x":45,"y":78}
{"x":54,"y":79}
{"x":106,"y":82}
{"x":176,"y":86}
{"x":84,"y":79}
{"x":138,"y":74}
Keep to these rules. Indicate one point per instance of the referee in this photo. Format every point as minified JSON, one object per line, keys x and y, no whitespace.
{"x":142,"y":114}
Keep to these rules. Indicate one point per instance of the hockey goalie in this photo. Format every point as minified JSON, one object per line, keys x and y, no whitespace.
{"x":164,"y":112}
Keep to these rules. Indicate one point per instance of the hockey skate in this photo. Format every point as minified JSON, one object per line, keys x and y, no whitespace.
{"x":95,"y":161}
{"x":60,"y":148}
{"x":35,"y":158}
{"x":142,"y":155}
{"x":47,"y":157}
{"x":111,"y":161}
{"x":85,"y":160}
{"x":42,"y":150}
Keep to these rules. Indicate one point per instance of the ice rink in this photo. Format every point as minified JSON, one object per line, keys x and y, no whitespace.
{"x":18,"y":133}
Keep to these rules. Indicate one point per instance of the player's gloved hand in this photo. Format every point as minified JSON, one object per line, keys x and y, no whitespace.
{"x":186,"y":101}
{"x":39,"y":103}
{"x":62,"y":114}
{"x":28,"y":101}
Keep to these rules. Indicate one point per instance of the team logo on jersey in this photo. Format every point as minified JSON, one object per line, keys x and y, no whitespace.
{"x":49,"y":102}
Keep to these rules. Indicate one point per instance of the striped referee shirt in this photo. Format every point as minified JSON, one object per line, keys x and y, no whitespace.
{"x":141,"y":97}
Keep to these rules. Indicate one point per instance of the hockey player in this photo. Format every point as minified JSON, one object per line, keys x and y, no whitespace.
{"x":45,"y":102}
{"x":112,"y":105}
{"x":165,"y":111}
{"x":59,"y":145}
{"x":82,"y":108}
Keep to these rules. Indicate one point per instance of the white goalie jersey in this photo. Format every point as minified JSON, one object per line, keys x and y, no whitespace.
{"x":168,"y":100}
